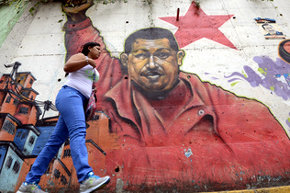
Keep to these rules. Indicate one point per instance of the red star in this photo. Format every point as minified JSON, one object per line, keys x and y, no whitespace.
{"x":196,"y":25}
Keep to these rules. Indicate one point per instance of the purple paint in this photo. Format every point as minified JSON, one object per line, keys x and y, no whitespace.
{"x":288,"y":123}
{"x":275,"y":77}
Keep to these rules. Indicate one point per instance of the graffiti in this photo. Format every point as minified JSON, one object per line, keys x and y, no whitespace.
{"x":284,"y":50}
{"x":270,"y":29}
{"x":273,"y":75}
{"x":156,"y":110}
{"x":156,"y":128}
{"x":196,"y":24}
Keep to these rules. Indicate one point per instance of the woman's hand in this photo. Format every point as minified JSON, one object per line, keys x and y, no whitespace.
{"x":77,"y":61}
{"x":92,"y":62}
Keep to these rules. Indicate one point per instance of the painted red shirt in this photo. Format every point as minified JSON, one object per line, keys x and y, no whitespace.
{"x":199,"y":136}
{"x":209,"y":137}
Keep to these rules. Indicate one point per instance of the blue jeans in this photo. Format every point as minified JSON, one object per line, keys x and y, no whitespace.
{"x":71,"y":123}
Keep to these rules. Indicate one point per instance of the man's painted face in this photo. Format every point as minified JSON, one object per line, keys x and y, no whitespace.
{"x":153,"y":64}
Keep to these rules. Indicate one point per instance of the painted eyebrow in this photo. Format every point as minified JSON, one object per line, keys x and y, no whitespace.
{"x":158,"y":50}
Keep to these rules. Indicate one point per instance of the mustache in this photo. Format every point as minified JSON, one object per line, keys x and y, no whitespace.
{"x":151,"y":72}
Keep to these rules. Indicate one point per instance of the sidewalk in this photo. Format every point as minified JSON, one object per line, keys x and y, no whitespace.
{"x":279,"y":189}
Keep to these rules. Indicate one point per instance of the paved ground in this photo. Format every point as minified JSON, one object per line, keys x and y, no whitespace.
{"x":280,"y":189}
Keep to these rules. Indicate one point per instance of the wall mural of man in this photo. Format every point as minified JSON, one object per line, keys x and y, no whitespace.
{"x":175,"y":131}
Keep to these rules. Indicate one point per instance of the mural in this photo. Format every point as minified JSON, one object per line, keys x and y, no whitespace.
{"x":270,"y":28}
{"x":284,"y":50}
{"x":275,"y":76}
{"x":157,"y":128}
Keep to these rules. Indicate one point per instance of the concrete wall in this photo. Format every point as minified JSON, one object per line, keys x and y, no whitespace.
{"x":225,"y":127}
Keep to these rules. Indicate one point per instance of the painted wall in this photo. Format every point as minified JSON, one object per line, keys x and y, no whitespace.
{"x":11,"y":169}
{"x":222,"y":122}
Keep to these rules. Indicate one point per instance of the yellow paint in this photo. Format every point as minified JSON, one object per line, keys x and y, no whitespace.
{"x":245,"y":75}
{"x":234,"y":83}
{"x":262,"y":71}
{"x":280,"y":189}
{"x":289,"y":120}
{"x":272,"y":88}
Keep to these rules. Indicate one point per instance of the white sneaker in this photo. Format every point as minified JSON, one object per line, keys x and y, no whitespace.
{"x":93,"y":183}
{"x":29,"y":188}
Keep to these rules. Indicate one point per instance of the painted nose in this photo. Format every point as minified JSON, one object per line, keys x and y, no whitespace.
{"x":151,"y":63}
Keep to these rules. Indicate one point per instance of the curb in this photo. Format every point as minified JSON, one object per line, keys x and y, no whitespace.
{"x":279,"y":189}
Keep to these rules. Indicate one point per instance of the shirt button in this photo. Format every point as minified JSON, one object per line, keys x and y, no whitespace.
{"x":200,"y":112}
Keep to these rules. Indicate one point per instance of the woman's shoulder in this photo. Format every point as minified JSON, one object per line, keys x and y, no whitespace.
{"x":78,"y":55}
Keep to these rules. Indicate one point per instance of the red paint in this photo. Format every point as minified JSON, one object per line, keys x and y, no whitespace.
{"x":241,"y":141}
{"x":287,"y":47}
{"x":195,"y":25}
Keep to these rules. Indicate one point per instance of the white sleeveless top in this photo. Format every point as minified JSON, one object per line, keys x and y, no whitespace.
{"x":83,"y":79}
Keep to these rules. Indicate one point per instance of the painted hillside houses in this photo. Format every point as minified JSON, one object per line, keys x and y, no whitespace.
{"x":24,"y":132}
{"x":193,"y":96}
{"x":20,"y":138}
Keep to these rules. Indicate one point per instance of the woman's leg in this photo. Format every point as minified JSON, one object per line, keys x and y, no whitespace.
{"x":72,"y":111}
{"x":58,"y":137}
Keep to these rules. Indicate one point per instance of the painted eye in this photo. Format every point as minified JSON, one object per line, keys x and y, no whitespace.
{"x":162,"y":55}
{"x":142,"y":56}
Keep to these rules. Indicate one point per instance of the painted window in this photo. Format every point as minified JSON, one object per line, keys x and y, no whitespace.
{"x":23,"y":110}
{"x":15,"y":102}
{"x":25,"y":93}
{"x":56,"y":173}
{"x":66,"y":153}
{"x":9,"y":162}
{"x":31,"y":140}
{"x":16,"y":167}
{"x":23,"y":135}
{"x":19,"y":134}
{"x":9,"y":127}
{"x":8,"y":99}
{"x":63,"y":180}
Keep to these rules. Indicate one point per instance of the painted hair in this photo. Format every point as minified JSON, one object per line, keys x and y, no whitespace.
{"x":151,"y":34}
{"x":85,"y":49}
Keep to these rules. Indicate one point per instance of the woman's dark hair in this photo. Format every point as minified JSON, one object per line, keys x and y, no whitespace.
{"x":86,"y":46}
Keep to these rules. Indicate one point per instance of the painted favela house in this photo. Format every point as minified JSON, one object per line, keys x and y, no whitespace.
{"x":191,"y":97}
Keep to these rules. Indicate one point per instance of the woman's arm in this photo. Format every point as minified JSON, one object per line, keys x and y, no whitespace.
{"x":77,"y":61}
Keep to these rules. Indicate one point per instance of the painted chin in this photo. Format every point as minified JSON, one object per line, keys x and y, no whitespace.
{"x":153,"y":83}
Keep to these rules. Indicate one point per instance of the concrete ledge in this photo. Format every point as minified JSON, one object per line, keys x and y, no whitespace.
{"x":279,"y":189}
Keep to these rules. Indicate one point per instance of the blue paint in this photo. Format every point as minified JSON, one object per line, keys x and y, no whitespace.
{"x":188,"y":153}
{"x":3,"y":150}
{"x":20,"y":138}
{"x":45,"y":132}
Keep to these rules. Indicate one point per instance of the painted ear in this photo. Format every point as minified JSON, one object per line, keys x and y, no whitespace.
{"x":124,"y":59}
{"x":180,"y":55}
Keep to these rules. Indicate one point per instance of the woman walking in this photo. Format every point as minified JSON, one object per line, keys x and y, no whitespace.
{"x":70,"y":102}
